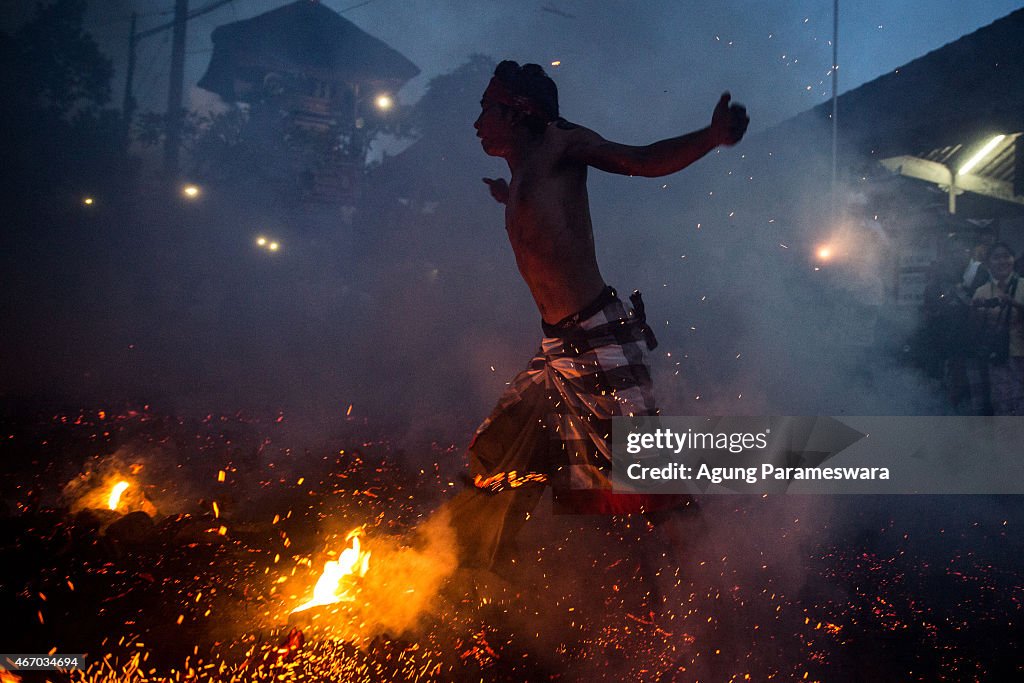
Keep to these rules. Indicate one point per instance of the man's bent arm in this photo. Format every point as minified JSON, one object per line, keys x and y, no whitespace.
{"x":728,"y":124}
{"x":650,"y":161}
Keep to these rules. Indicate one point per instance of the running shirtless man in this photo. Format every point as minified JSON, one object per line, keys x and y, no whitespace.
{"x":552,"y":426}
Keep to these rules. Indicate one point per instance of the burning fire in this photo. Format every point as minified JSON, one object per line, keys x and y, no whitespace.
{"x":115,"y":494}
{"x":337,"y":578}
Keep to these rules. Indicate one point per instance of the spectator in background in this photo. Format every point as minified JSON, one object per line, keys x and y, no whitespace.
{"x":998,"y":307}
{"x":947,"y":307}
{"x":975,"y":273}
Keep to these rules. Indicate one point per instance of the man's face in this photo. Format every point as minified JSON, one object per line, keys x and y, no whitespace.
{"x":1000,"y":263}
{"x":494,"y":128}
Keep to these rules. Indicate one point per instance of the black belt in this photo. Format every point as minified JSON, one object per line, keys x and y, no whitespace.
{"x":608,"y":295}
{"x":638,"y":308}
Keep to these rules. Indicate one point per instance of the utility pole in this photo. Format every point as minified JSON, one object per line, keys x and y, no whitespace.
{"x":835,"y":108}
{"x":174,"y":92}
{"x":128,"y":106}
{"x":177,"y":76}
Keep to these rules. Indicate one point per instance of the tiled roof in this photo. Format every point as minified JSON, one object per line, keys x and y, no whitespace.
{"x":303,"y":37}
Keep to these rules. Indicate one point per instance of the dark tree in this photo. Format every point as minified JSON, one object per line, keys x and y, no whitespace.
{"x":452,"y":101}
{"x":52,"y":65}
{"x":54,"y":128}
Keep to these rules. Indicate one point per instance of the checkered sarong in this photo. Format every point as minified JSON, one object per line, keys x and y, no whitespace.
{"x":553,"y":423}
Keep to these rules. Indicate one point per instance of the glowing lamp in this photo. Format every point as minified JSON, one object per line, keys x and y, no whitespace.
{"x":384,"y":102}
{"x":980,"y":155}
{"x":190,"y":191}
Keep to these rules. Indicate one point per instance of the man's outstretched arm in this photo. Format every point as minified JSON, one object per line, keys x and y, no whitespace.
{"x":728,"y":124}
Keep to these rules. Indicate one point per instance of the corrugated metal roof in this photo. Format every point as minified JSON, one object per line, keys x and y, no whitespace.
{"x":999,"y":164}
{"x":987,"y":165}
{"x":948,"y":96}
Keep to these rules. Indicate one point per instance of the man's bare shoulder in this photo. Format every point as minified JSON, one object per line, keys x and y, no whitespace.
{"x":562,"y":124}
{"x":566,"y":138}
{"x":567,"y":130}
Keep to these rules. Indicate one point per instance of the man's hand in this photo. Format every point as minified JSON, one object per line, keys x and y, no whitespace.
{"x":729,"y":121}
{"x":499,"y":189}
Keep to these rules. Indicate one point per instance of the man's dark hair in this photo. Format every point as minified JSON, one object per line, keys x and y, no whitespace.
{"x":1001,"y":245}
{"x":530,"y":81}
{"x":985,"y":235}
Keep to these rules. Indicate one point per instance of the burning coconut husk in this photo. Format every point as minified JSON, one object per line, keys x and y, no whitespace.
{"x":108,"y":492}
{"x":338,"y":585}
{"x":379,"y":587}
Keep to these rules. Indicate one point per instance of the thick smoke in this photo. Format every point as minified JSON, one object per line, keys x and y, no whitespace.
{"x":408,"y":317}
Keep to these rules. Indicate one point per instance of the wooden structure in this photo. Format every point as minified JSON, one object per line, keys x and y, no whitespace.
{"x":321,"y":74}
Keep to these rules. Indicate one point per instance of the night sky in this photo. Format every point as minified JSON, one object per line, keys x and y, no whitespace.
{"x":672,"y":58}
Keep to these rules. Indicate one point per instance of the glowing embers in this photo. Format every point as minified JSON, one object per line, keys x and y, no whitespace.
{"x":339,"y":577}
{"x":115,"y":494}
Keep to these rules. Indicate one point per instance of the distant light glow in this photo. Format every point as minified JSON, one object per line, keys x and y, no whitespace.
{"x":982,"y":153}
{"x":88,"y":201}
{"x":824,"y":252}
{"x":557,"y":62}
{"x":264,"y":242}
{"x":190,"y":191}
{"x":384,"y":102}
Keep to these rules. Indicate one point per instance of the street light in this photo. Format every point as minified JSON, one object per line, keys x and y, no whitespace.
{"x":384,"y":102}
{"x":190,"y":191}
{"x":88,"y":201}
{"x":267,"y":244}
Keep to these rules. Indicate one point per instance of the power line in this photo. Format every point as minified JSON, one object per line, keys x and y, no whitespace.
{"x":150,"y":82}
{"x":125,"y":19}
{"x":188,"y":17}
{"x":355,"y":6}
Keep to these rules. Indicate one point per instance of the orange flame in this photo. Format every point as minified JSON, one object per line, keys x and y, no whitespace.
{"x":337,"y":579}
{"x":115,"y":494}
